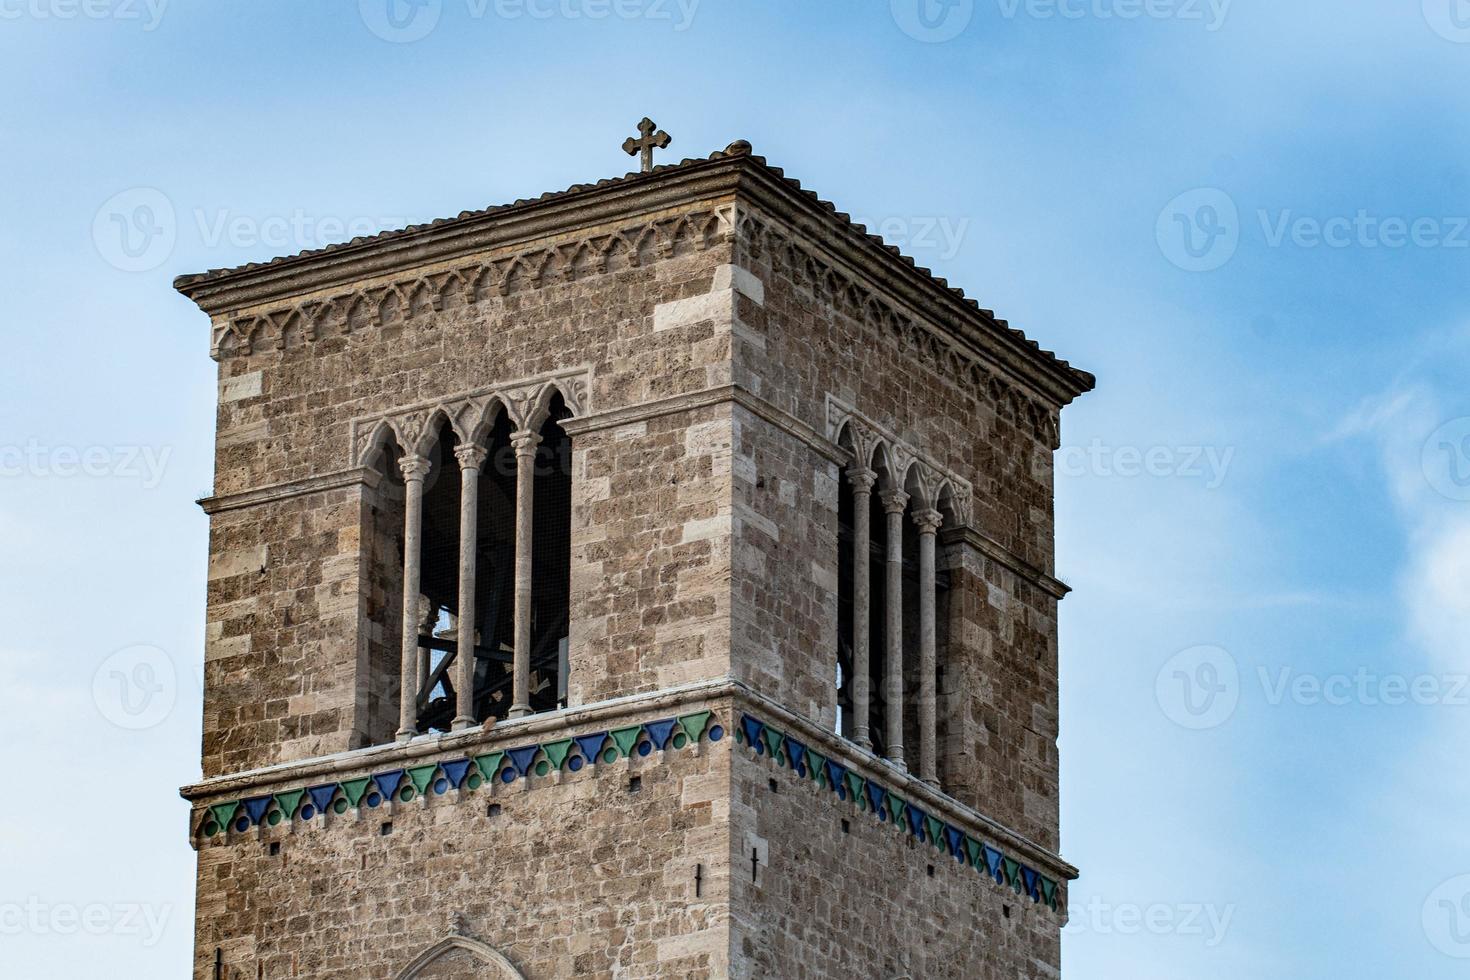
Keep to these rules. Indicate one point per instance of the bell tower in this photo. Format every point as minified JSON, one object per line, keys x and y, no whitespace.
{"x":648,"y":579}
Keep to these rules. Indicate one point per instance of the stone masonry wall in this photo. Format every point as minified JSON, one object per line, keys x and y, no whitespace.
{"x":280,"y":658}
{"x":647,"y":510}
{"x":794,"y":348}
{"x":829,"y":904}
{"x":574,"y":875}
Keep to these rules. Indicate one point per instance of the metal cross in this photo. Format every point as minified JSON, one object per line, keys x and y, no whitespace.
{"x":650,"y":137}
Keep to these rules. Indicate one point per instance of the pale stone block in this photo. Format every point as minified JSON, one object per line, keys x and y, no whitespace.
{"x":241,"y":387}
{"x":706,"y":528}
{"x":238,"y":562}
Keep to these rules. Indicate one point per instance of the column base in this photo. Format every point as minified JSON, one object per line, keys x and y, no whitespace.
{"x":405,"y":735}
{"x":463,"y":724}
{"x":863,"y":742}
{"x":519,"y":710}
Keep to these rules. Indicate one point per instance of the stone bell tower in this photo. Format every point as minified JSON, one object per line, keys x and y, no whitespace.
{"x":649,"y":579}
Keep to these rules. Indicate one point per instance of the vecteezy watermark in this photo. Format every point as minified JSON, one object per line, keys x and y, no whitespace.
{"x":138,"y":229}
{"x":37,"y":918}
{"x":1210,"y":13}
{"x":296,"y":231}
{"x":939,"y":235}
{"x":1209,"y":463}
{"x":147,"y":12}
{"x":1364,"y":687}
{"x":1446,"y":918}
{"x":932,"y":21}
{"x":1363,"y":230}
{"x":1204,"y":921}
{"x":143,"y":463}
{"x":1199,"y":688}
{"x":1446,"y":459}
{"x":406,"y":21}
{"x":1450,"y":19}
{"x":401,"y":21}
{"x":1199,"y":230}
{"x":136,"y":687}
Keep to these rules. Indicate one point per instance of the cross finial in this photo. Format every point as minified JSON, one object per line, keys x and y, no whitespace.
{"x":650,"y":136}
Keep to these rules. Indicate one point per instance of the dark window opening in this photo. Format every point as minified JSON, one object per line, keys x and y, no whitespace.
{"x":493,"y":635}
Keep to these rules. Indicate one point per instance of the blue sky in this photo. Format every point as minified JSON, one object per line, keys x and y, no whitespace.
{"x":1262,"y":508}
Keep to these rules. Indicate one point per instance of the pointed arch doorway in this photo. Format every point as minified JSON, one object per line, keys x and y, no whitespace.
{"x":460,"y":958}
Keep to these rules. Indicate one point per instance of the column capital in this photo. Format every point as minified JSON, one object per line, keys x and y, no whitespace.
{"x":928,"y":520}
{"x":470,"y":457}
{"x":525,"y":442}
{"x":414,"y":467}
{"x":894,"y":501}
{"x":861,"y":478}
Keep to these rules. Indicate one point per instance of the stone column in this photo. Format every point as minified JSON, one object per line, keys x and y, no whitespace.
{"x":414,"y":468}
{"x":894,"y":502}
{"x":862,"y":493}
{"x":928,"y":521}
{"x":471,"y":458}
{"x":525,"y":443}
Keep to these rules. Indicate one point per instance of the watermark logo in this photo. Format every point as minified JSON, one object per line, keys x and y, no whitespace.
{"x":933,"y":21}
{"x":136,"y":230}
{"x":1446,"y":459}
{"x":148,"y":12}
{"x":1363,"y":230}
{"x":128,"y":920}
{"x":1199,"y":230}
{"x":1206,"y":922}
{"x":1446,"y":918}
{"x":401,"y":21}
{"x":1207,"y":463}
{"x":1199,"y":688}
{"x":406,"y":21}
{"x":1450,"y":19}
{"x":1211,"y":13}
{"x":146,"y":464}
{"x":136,"y":687}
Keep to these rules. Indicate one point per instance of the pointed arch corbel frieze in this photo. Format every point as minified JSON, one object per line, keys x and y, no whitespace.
{"x":901,"y":465}
{"x":931,"y":338}
{"x":417,"y":293}
{"x":471,"y":415}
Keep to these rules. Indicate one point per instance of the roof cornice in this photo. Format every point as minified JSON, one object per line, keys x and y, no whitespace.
{"x":732,"y":173}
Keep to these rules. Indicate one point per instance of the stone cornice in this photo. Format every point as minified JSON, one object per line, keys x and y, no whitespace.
{"x":582,"y":206}
{"x":354,"y":476}
{"x":426,"y":746}
{"x":723,"y":177}
{"x":994,"y":550}
{"x":867,"y":260}
{"x":433,"y":747}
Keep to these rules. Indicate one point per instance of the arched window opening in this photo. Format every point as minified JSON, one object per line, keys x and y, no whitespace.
{"x":846,"y":577}
{"x":473,"y":536}
{"x":382,"y":597}
{"x":877,"y":620}
{"x":893,"y":606}
{"x":551,"y":561}
{"x":911,"y":635}
{"x":495,"y":573}
{"x":438,"y":605}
